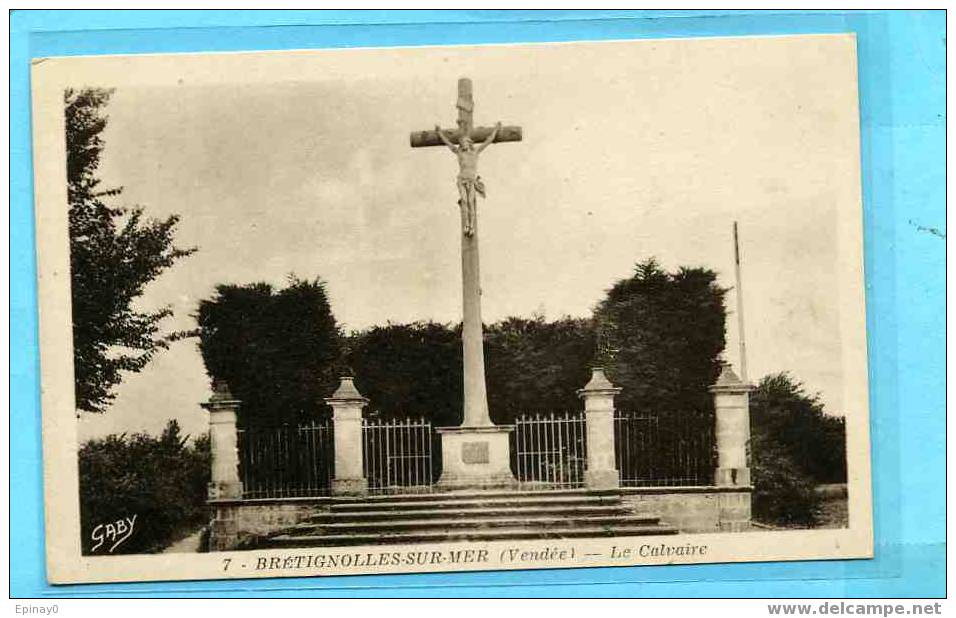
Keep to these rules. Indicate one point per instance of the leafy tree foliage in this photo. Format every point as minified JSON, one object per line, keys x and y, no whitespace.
{"x":660,"y":335}
{"x":815,"y":441}
{"x":114,"y":253}
{"x":161,"y":480}
{"x":276,"y":349}
{"x":794,"y":447}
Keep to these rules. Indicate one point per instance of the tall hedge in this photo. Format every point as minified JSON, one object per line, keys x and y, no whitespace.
{"x":660,"y":334}
{"x":410,"y":370}
{"x":276,"y":349}
{"x":533,"y":365}
{"x":416,"y":369}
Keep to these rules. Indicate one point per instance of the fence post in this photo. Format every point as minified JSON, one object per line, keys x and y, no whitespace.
{"x":598,"y":396}
{"x":223,"y":443}
{"x":347,"y":404}
{"x":732,"y":418}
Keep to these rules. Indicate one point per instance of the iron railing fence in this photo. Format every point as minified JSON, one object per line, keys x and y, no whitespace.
{"x":288,"y":461}
{"x":661,"y":451}
{"x":549,"y":450}
{"x":400,"y":455}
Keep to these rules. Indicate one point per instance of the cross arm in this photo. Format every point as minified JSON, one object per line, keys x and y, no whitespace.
{"x":421,"y":139}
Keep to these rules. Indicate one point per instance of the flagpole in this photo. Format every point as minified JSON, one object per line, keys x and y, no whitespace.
{"x":740,"y":309}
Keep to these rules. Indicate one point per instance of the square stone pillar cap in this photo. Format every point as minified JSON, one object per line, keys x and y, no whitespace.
{"x":221,"y":397}
{"x":598,"y":385}
{"x":346,"y":392}
{"x":729,"y":382}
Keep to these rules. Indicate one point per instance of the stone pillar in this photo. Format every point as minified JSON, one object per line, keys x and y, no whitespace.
{"x":732,"y":412}
{"x":598,"y":396}
{"x":347,"y":404}
{"x":224,"y":444}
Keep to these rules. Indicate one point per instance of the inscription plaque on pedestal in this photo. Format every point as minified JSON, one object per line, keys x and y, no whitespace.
{"x":474,"y":452}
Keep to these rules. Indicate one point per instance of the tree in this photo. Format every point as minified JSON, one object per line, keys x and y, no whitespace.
{"x":660,"y":335}
{"x":277,"y":350}
{"x":795,"y":446}
{"x":160,"y":480}
{"x":114,"y":253}
{"x":782,"y":411}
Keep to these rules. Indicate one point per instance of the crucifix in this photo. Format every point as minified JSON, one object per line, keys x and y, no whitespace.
{"x":462,"y":142}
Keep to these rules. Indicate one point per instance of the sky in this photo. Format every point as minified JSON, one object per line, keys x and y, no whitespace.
{"x":300,"y":163}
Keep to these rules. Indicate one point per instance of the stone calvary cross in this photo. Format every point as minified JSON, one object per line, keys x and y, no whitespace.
{"x":462,"y":141}
{"x":477,"y":453}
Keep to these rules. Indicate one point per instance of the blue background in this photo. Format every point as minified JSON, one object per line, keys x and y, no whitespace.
{"x":902,"y":89}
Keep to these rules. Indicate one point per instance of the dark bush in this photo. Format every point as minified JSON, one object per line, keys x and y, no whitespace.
{"x":161,"y":480}
{"x":814,"y":440}
{"x":795,"y":447}
{"x":783,"y":493}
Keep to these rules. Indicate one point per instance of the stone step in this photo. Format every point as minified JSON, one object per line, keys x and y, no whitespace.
{"x":495,"y":534}
{"x":476,"y":494}
{"x":476,"y":502}
{"x":399,"y":525}
{"x":484,"y":510}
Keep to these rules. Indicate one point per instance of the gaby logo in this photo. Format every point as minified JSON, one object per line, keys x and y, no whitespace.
{"x":114,"y":532}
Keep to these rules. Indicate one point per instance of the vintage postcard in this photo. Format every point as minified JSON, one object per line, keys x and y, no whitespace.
{"x":451,"y":308}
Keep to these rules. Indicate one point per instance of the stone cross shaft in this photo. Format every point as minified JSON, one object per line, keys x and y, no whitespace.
{"x":475,"y":396}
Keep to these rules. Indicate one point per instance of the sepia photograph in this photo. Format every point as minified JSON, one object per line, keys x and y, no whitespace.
{"x":451,"y":308}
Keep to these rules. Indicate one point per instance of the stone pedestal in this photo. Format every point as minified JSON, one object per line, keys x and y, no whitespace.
{"x":735,"y":511}
{"x":732,"y":431}
{"x":598,"y":395}
{"x":223,"y":529}
{"x":476,"y":457}
{"x":347,"y":403}
{"x":224,"y":480}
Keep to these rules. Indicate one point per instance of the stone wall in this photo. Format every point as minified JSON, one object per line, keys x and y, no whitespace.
{"x":694,"y":509}
{"x":235,"y":522}
{"x":689,"y":509}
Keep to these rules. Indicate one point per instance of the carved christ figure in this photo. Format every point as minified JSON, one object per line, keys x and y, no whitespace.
{"x":469,"y":182}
